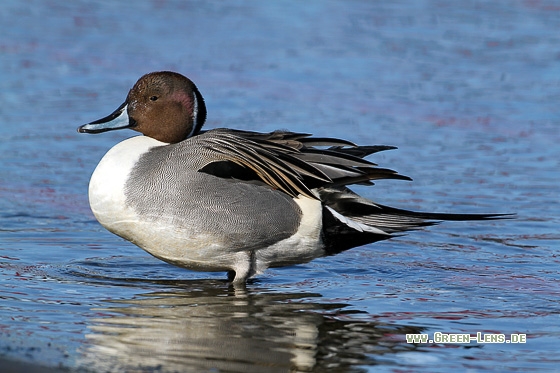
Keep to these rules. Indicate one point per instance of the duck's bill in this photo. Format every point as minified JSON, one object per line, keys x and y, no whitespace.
{"x":117,"y":120}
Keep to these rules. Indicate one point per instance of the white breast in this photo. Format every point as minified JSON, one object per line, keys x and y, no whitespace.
{"x":106,"y":187}
{"x":107,"y":199}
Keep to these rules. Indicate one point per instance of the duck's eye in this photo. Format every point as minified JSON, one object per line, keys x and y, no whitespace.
{"x":153,"y":98}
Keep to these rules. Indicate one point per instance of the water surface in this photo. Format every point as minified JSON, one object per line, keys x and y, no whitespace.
{"x":467,"y":90}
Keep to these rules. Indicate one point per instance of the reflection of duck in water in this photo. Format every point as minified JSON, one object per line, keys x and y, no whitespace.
{"x":230,"y":200}
{"x":202,"y":330}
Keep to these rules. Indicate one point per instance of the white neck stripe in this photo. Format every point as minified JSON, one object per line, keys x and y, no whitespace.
{"x":194,"y":115}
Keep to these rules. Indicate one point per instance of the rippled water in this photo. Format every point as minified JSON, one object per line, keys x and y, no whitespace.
{"x":468,"y":91}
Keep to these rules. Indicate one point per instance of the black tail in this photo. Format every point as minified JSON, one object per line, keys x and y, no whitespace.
{"x":350,"y":220}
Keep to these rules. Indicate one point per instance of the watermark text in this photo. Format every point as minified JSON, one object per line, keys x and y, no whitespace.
{"x":456,"y":338}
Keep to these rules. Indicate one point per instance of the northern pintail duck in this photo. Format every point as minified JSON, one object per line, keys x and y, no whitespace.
{"x":231,"y":200}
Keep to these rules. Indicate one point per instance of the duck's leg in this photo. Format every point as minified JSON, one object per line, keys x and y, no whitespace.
{"x":244,"y":267}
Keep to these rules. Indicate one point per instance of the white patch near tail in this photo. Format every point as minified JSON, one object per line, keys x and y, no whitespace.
{"x":303,"y":246}
{"x":354,"y":224}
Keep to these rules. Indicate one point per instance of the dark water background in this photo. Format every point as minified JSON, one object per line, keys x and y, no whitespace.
{"x":468,"y":90}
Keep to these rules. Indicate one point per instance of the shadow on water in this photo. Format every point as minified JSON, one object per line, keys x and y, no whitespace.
{"x":204,"y":325}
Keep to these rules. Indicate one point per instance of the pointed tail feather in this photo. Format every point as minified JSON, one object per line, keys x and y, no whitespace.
{"x":437,"y":216}
{"x":350,"y":220}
